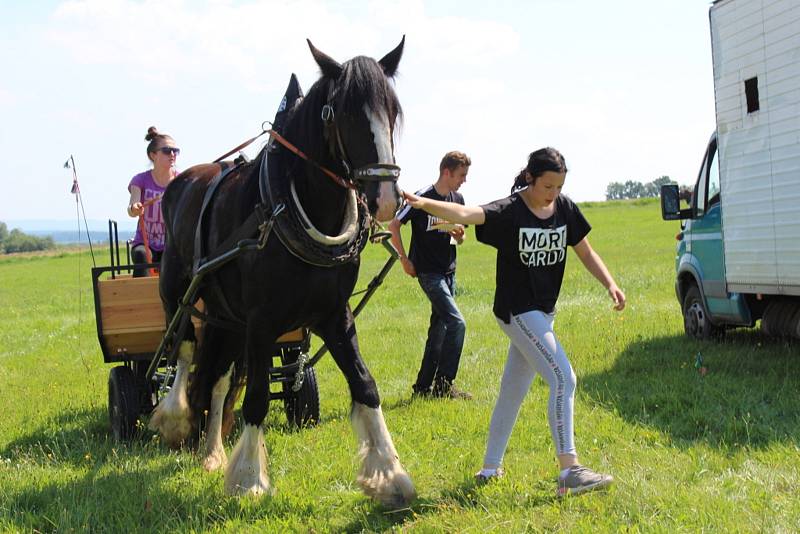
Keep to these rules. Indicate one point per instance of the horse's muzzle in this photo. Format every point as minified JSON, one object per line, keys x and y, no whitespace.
{"x":379,"y":182}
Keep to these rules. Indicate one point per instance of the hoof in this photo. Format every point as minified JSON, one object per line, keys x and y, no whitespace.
{"x":251,"y":488}
{"x":392,"y":487}
{"x":246,"y":472}
{"x":215,"y":461}
{"x":173,"y":427}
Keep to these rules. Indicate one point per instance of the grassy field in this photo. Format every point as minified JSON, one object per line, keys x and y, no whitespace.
{"x":719,"y":452}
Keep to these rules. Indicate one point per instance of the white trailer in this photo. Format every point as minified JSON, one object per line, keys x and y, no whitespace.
{"x":756,"y":53}
{"x":738,"y":255}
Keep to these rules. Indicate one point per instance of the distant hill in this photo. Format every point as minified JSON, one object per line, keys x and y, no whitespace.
{"x":63,"y":237}
{"x":66,"y":232}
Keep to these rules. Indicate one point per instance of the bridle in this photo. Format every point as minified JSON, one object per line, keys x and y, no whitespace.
{"x":375,"y":172}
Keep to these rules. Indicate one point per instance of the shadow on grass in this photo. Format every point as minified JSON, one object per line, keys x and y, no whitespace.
{"x":66,"y":437}
{"x":139,"y":496}
{"x":748,"y":395}
{"x":140,"y":486}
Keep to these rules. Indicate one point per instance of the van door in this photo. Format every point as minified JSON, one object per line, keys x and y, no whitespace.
{"x":706,"y":235}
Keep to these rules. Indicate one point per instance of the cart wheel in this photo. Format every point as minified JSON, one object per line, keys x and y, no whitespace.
{"x":302,"y":407}
{"x":123,"y":403}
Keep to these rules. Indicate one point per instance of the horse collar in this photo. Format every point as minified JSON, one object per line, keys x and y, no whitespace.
{"x":295,"y":230}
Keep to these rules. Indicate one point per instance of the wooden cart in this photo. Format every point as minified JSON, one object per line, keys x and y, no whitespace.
{"x":130,"y":327}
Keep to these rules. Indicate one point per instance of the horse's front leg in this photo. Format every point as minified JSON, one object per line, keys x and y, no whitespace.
{"x":172,"y":417}
{"x":381,"y":477}
{"x":246,"y":473}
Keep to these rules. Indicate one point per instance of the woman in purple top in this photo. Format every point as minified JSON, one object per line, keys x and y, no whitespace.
{"x":146,"y":189}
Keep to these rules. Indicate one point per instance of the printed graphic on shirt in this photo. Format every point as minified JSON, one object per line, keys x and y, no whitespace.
{"x":435,"y":224}
{"x":153,"y":220}
{"x":542,"y":247}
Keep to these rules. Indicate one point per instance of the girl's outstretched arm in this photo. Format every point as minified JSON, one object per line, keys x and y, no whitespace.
{"x":594,"y":264}
{"x":450,"y":211}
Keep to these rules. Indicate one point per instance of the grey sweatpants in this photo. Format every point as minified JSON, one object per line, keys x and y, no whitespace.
{"x":533,"y":349}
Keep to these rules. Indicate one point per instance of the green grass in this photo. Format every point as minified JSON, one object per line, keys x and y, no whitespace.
{"x":689,"y":453}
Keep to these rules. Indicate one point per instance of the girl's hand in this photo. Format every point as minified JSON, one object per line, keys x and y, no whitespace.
{"x":413,"y":200}
{"x":136,"y":209}
{"x":617,"y":296}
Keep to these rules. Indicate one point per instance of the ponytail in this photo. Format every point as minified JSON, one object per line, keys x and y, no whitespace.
{"x":539,"y":162}
{"x":520,"y":182}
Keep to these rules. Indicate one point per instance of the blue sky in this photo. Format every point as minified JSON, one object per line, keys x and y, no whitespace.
{"x":624,"y":89}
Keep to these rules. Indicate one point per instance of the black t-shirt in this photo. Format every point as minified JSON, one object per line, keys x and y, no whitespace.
{"x":431,"y":249}
{"x":531,"y":252}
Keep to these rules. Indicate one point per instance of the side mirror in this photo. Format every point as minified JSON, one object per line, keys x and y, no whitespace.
{"x":671,"y":204}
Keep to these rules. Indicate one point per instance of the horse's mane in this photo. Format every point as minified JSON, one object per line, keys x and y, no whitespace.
{"x":362,"y":82}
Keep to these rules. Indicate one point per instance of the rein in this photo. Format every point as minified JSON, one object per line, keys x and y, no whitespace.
{"x":296,"y":151}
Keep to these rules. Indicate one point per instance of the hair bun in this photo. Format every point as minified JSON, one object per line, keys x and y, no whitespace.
{"x":152,"y":133}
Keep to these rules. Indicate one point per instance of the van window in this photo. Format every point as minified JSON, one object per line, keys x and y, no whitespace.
{"x":699,"y":197}
{"x":713,"y":177}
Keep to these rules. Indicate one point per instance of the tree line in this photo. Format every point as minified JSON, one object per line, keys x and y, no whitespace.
{"x":18,"y":241}
{"x":633,"y":189}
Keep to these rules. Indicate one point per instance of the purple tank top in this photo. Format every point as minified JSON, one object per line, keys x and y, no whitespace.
{"x":153,"y":220}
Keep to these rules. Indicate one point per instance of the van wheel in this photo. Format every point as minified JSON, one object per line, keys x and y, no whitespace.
{"x":696,"y":322}
{"x":781,"y":318}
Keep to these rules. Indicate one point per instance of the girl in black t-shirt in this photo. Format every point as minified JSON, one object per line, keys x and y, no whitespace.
{"x":531,"y":230}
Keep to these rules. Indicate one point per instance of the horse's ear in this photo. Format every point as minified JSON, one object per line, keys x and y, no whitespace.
{"x":330,"y":68}
{"x":390,"y":61}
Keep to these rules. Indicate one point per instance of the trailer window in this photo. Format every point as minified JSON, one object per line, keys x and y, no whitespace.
{"x":751,"y":93}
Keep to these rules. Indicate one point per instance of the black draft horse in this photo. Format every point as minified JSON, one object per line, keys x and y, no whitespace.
{"x":345,"y":124}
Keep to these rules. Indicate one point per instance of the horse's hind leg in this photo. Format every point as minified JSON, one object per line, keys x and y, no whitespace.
{"x":246,"y":473}
{"x":381,"y":477}
{"x":172,"y":417}
{"x":215,"y":451}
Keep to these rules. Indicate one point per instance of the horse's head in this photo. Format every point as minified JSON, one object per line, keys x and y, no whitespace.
{"x":360,"y":113}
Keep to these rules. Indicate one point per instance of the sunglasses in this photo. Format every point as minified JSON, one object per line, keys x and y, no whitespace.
{"x":167,"y":150}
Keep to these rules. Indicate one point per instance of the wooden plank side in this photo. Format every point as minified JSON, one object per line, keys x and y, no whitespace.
{"x":133,"y":343}
{"x":129,"y":290}
{"x":133,"y":316}
{"x":136,"y":316}
{"x":294,"y":335}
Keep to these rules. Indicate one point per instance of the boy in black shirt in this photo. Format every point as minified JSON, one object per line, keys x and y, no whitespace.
{"x":531,"y":230}
{"x":432,"y":260}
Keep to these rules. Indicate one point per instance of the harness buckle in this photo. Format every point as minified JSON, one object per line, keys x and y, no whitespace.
{"x":327,"y":113}
{"x":265,"y":227}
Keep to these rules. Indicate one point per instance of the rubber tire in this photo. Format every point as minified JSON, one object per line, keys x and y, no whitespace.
{"x":123,"y":403}
{"x":302,"y":407}
{"x":696,"y":322}
{"x":781,"y":319}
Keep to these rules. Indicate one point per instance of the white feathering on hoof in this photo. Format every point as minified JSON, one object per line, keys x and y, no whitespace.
{"x":172,"y":417}
{"x":381,"y":477}
{"x":215,"y":450}
{"x":246,"y":473}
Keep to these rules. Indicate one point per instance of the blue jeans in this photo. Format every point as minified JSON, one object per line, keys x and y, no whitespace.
{"x":445,"y":333}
